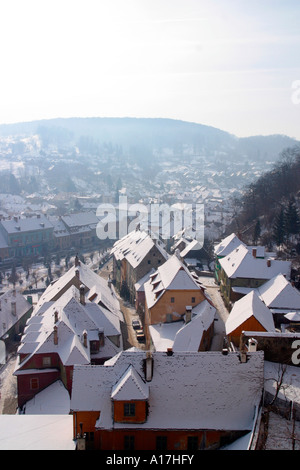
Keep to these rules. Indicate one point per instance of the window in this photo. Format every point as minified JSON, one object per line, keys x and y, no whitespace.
{"x":34,"y":383}
{"x":193,"y":300}
{"x":192,"y":443}
{"x":129,"y":409}
{"x":161,"y":443}
{"x":172,"y":300}
{"x":128,"y":442}
{"x":46,"y":361}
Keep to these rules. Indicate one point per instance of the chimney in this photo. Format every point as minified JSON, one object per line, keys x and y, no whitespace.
{"x":77,"y":273}
{"x":55,"y":316}
{"x":81,"y":439}
{"x":14,"y":309}
{"x":82,"y":297}
{"x":77,"y":262}
{"x":55,"y":335}
{"x":254,"y":252}
{"x":84,"y":336}
{"x":252,"y":345}
{"x":268,"y":263}
{"x":169,"y":352}
{"x":188,"y":314}
{"x":177,"y":253}
{"x":149,"y":367}
{"x":243,"y":357}
{"x":101,"y":337}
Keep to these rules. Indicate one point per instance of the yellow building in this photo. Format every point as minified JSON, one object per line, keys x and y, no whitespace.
{"x":169,"y":291}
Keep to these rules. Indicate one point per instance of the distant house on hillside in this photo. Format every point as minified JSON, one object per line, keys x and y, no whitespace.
{"x":133,"y":257}
{"x":187,"y":401}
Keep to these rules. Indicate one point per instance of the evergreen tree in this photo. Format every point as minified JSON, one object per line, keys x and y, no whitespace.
{"x":279,"y":228}
{"x":256,"y":231}
{"x":292,"y":219}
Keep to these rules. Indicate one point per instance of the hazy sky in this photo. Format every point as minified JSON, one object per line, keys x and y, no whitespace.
{"x":230,"y":64}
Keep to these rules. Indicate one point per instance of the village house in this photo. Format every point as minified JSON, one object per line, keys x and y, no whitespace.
{"x":223,"y":249}
{"x":167,"y":401}
{"x":282,"y":298}
{"x":27,"y":236}
{"x":14,"y":312}
{"x":248,"y":314}
{"x":193,"y":333}
{"x":71,"y":330}
{"x":81,"y":227}
{"x":70,"y":323}
{"x":96,"y":288}
{"x":61,"y":234}
{"x":170,"y":290}
{"x":133,"y":257}
{"x":243,"y":269}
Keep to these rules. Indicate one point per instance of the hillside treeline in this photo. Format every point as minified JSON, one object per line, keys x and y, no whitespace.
{"x":269,"y":207}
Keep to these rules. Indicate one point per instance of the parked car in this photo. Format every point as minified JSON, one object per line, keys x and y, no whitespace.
{"x":140,"y":336}
{"x":136,"y":324}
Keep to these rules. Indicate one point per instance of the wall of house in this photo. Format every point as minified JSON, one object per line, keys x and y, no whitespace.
{"x":140,"y":412}
{"x":55,"y":370}
{"x":252,"y":324}
{"x":88,"y":420}
{"x":176,"y":440}
{"x":206,"y":339}
{"x":158,"y":313}
{"x":24,"y":384}
{"x":125,"y":272}
{"x":226,"y":285}
{"x":277,"y":347}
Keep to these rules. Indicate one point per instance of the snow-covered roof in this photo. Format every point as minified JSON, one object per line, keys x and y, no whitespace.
{"x":73,"y":318}
{"x":26,"y":224}
{"x":215,"y":391}
{"x":279,"y":293}
{"x":181,"y":336}
{"x":80,"y":219}
{"x":240,"y":263}
{"x":172,"y":275}
{"x":13,"y":306}
{"x":248,"y":306}
{"x":131,"y":386}
{"x":193,"y":245}
{"x":36,"y":432}
{"x":227,"y":245}
{"x":53,"y":400}
{"x":135,"y":246}
{"x":94,"y":285}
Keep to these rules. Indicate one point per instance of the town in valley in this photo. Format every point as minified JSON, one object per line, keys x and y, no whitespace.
{"x":141,"y":342}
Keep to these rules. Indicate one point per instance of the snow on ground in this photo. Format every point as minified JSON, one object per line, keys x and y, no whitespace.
{"x":280,"y":434}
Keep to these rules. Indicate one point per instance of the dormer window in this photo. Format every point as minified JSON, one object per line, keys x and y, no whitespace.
{"x":130,"y":398}
{"x":129,"y":409}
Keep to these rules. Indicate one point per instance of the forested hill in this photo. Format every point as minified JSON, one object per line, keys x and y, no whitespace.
{"x":269,"y":210}
{"x":150,"y":133}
